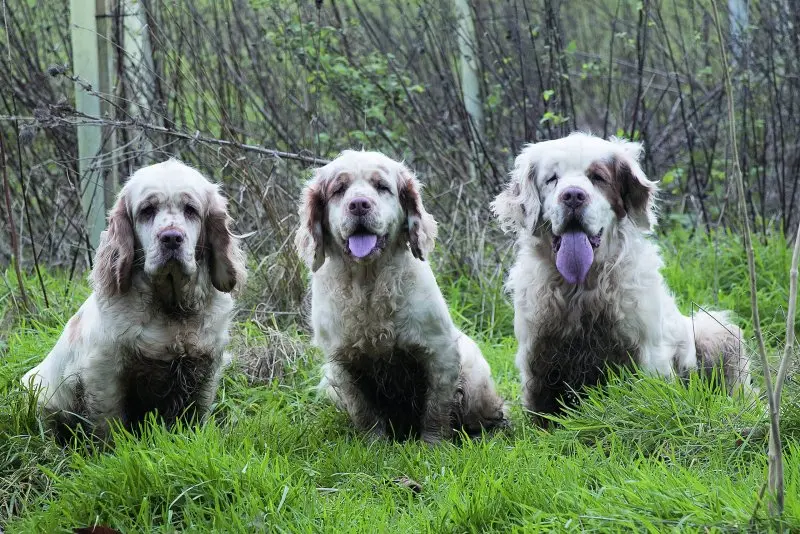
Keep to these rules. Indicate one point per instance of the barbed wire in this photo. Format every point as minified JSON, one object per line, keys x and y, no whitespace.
{"x":74,"y":118}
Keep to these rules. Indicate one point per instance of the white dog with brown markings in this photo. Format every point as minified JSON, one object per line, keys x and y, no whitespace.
{"x":586,"y":282}
{"x":152,"y":335}
{"x":394,"y":359}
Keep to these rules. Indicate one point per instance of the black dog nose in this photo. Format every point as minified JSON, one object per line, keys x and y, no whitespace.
{"x":573,"y":197}
{"x":171,"y":239}
{"x":360,"y":206}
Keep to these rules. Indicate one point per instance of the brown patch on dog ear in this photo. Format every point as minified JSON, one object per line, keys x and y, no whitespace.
{"x":308,"y":240}
{"x":637,"y":193}
{"x":113,"y":263}
{"x":226,"y":260}
{"x":422,"y":227}
{"x":628,"y":193}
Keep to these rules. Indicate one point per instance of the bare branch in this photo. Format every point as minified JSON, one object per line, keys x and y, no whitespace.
{"x":12,"y":229}
{"x":788,"y":349}
{"x":775,"y":456}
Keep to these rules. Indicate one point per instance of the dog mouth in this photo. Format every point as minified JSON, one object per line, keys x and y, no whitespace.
{"x":170,"y":262}
{"x":169,"y":259}
{"x":169,"y":256}
{"x":363,"y":244}
{"x":594,"y":240}
{"x":574,"y":251}
{"x":172,"y":265}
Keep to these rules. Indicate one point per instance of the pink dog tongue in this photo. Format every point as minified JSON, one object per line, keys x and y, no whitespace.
{"x":362,"y":244}
{"x":574,"y":257}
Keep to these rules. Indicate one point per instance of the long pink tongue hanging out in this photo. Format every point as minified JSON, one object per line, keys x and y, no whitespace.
{"x":362,"y":244}
{"x":574,"y":257}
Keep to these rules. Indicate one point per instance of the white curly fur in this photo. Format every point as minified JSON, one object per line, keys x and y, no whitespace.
{"x":155,"y":328}
{"x":382,"y":316}
{"x":623,"y":309}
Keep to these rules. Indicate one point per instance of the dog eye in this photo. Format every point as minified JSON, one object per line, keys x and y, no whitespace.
{"x":337,"y":189}
{"x":383,"y":188}
{"x":596,"y":177}
{"x":190,"y":211}
{"x":552,"y":179}
{"x":147,"y":212}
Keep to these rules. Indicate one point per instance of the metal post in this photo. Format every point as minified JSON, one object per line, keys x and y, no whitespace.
{"x":470,"y":71}
{"x":90,"y":62}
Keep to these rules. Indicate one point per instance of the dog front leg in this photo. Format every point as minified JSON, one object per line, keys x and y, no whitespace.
{"x":442,"y":382}
{"x":344,"y":392}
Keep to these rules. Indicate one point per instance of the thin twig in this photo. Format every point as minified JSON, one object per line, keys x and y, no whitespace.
{"x":641,"y":46}
{"x":775,"y":458}
{"x":610,"y":68}
{"x":24,"y":190}
{"x":12,"y":229}
{"x":788,"y":349}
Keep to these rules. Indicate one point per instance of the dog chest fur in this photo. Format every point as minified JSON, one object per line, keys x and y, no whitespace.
{"x":169,"y":387}
{"x":393,"y":382}
{"x":561,"y":364}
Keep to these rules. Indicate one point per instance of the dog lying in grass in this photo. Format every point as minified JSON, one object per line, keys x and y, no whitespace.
{"x":586,"y":283}
{"x":151,"y":337}
{"x":394,"y":360}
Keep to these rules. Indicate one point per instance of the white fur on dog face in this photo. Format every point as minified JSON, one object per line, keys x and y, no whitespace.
{"x":167,"y":222}
{"x":362,"y":194}
{"x":563,"y":169}
{"x":607,"y":172}
{"x":370,"y":178}
{"x":167,"y":201}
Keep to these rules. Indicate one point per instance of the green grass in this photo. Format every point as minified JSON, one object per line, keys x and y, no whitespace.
{"x":640,"y":454}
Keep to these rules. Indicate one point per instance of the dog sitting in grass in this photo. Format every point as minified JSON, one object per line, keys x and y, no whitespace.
{"x":394,"y":360}
{"x":586,"y":283}
{"x":152,"y":335}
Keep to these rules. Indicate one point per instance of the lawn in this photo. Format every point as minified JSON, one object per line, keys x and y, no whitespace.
{"x":640,"y":454}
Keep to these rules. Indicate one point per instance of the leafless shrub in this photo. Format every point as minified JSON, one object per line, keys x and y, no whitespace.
{"x":312,"y":78}
{"x":269,"y":358}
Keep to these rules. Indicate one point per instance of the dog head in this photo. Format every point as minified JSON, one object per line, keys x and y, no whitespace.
{"x":359,"y":207}
{"x":577,"y":190}
{"x":167,"y":222}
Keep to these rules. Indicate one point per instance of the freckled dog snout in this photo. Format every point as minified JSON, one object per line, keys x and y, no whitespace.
{"x":359,"y":206}
{"x":171,"y":239}
{"x":574,"y":197}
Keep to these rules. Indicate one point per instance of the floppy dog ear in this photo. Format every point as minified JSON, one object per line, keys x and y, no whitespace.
{"x":113,"y":261}
{"x":637,"y":191}
{"x":226,"y":259}
{"x":308,"y":240}
{"x":421,"y":225}
{"x":518,"y":206}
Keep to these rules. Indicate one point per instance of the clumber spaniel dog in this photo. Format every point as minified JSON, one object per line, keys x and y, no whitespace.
{"x":151,"y":337}
{"x":586,"y":283}
{"x":394,"y":359}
